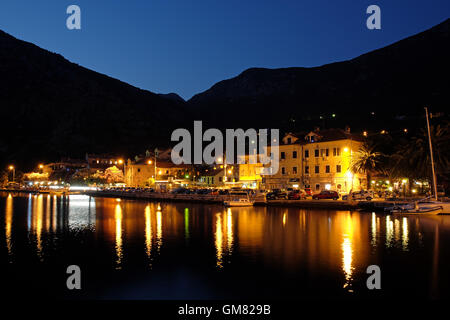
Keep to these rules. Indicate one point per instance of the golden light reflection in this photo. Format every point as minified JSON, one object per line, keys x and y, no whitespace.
{"x":224,"y":236}
{"x":8,"y":222}
{"x":405,"y":234}
{"x":229,"y":231}
{"x":118,"y":220}
{"x":159,"y":228}
{"x":284,"y":219}
{"x":389,"y":231}
{"x":219,"y":240}
{"x":374,"y":229}
{"x":48,"y":214}
{"x":397,"y":230}
{"x":148,"y":231}
{"x":55,"y":215}
{"x":38,"y":217}
{"x":347,"y":251}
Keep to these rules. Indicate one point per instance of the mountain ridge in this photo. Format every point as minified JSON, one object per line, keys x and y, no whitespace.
{"x":57,"y":108}
{"x":395,"y":71}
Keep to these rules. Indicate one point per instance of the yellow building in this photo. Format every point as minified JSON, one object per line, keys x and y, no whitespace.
{"x":250,"y":174}
{"x":141,"y":173}
{"x":319,"y":160}
{"x":216,"y":176}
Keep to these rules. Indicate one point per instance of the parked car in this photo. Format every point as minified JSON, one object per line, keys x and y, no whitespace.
{"x":297,"y":195}
{"x":276,"y":195}
{"x":326,"y":194}
{"x":178,"y":191}
{"x":359,"y":195}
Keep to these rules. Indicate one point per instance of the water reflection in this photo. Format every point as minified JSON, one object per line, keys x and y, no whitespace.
{"x":229,"y":231}
{"x":186,"y":223}
{"x":219,"y":240}
{"x":8,"y":226}
{"x":374,"y":229}
{"x":118,"y":220}
{"x":405,"y":234}
{"x":148,"y":232}
{"x":291,"y":241}
{"x":223,"y":230}
{"x":347,"y":251}
{"x":389,"y":231}
{"x":36,"y":225}
{"x":81,"y":213}
{"x":159,"y":228}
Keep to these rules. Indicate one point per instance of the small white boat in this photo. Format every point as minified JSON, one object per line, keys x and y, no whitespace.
{"x":418,"y":209}
{"x":445,"y":205}
{"x":238,"y":203}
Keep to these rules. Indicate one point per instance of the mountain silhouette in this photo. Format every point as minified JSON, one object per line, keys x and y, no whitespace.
{"x":53,"y":108}
{"x":394,"y":82}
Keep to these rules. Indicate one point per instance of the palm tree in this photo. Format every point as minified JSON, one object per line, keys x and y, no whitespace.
{"x":365,"y":161}
{"x":413,"y":158}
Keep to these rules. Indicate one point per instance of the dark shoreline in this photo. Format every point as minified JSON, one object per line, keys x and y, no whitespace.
{"x":368,"y":206}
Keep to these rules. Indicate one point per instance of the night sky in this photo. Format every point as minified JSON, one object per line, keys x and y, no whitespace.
{"x":186,"y":46}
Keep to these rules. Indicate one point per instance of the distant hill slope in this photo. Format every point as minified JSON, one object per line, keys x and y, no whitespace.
{"x":172,"y":96}
{"x":398,"y":79}
{"x":51,"y":107}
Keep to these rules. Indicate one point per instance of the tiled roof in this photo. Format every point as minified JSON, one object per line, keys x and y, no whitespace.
{"x":337,"y":134}
{"x":328,"y":135}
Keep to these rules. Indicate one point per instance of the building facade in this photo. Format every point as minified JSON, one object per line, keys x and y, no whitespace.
{"x":250,"y":173}
{"x":319,"y":160}
{"x":164,"y":174}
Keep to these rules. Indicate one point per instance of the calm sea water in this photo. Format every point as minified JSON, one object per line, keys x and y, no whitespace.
{"x":145,"y":250}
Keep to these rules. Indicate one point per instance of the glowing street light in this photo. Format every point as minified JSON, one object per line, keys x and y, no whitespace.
{"x":13,"y":169}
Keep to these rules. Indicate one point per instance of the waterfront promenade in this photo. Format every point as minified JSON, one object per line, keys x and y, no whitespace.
{"x":259,"y":199}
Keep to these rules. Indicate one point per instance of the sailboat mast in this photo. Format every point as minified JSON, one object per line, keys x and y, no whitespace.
{"x":431,"y":156}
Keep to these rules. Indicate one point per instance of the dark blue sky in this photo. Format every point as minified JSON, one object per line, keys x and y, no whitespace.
{"x":186,"y":46}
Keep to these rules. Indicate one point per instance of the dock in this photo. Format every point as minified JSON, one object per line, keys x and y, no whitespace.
{"x":259,"y":200}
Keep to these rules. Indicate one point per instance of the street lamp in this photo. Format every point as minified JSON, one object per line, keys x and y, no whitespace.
{"x":11,"y":168}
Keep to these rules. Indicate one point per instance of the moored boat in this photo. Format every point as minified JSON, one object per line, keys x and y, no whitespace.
{"x":418,"y":209}
{"x":238,"y":203}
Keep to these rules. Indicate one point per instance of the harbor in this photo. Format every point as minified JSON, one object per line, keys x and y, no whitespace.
{"x":258,"y":200}
{"x":146,"y":249}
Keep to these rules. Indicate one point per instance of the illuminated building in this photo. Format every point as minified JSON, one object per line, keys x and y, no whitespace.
{"x":318,"y":160}
{"x":141,"y":172}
